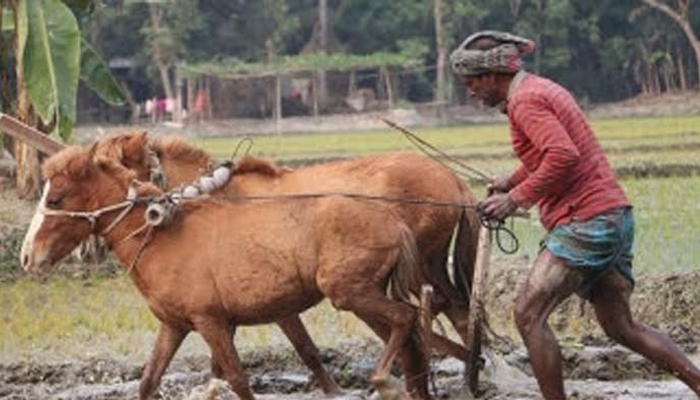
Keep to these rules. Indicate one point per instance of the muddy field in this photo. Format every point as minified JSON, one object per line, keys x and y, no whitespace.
{"x":593,"y":372}
{"x":595,"y":368}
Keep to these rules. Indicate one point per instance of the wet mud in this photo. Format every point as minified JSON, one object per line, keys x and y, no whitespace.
{"x":593,"y":371}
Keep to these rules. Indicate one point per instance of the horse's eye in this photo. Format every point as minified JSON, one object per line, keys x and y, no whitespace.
{"x":53,"y":203}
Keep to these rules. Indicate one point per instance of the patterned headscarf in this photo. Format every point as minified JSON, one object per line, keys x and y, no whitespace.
{"x":502,"y":58}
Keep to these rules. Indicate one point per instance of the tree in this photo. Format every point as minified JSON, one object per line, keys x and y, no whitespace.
{"x":50,"y":58}
{"x":440,"y":53}
{"x":680,"y":15}
{"x":166,"y":31}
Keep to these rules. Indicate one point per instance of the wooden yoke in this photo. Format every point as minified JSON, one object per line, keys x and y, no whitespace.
{"x":31,"y":136}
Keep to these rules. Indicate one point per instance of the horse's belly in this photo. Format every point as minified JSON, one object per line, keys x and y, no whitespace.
{"x":251,"y":310}
{"x":266,"y":294}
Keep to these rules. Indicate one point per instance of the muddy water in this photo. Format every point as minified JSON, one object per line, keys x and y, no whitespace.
{"x":593,"y":372}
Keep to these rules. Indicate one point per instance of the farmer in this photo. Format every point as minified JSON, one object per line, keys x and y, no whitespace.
{"x":588,"y":217}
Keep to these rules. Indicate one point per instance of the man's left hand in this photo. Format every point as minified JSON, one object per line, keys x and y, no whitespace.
{"x":498,"y":206}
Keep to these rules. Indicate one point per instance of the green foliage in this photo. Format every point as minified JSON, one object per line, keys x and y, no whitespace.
{"x":52,"y":61}
{"x":10,"y":247}
{"x":95,"y":73}
{"x":234,"y":67}
{"x":601,"y":50}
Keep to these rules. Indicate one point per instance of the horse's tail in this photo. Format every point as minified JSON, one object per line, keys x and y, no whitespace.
{"x":407,"y":274}
{"x":464,"y":252}
{"x":406,"y":278}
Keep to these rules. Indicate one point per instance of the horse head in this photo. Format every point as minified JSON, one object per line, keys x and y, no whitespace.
{"x":130,"y":149}
{"x":75,"y":203}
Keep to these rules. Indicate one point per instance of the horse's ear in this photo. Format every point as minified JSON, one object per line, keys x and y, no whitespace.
{"x":98,"y":157}
{"x":133,"y":147}
{"x":135,"y":144}
{"x":94,"y":151}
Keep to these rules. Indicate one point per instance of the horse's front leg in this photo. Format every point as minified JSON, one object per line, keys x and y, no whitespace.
{"x":296,"y":332}
{"x":216,"y":370}
{"x":167,"y":343}
{"x":219,"y":336}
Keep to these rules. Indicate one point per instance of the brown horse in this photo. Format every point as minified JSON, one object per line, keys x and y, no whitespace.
{"x":221,"y":264}
{"x":393,"y":176}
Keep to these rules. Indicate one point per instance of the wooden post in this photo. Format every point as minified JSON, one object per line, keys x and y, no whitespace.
{"x":177,"y":109}
{"x":314,"y":91}
{"x":278,"y":102}
{"x":387,"y":85}
{"x":476,"y":309}
{"x":210,"y":107}
{"x":426,"y":318}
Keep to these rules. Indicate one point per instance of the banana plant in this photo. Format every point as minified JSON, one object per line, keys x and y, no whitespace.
{"x":54,"y":58}
{"x":51,"y":58}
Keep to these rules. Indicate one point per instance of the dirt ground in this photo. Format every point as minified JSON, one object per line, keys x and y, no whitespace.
{"x":593,"y":372}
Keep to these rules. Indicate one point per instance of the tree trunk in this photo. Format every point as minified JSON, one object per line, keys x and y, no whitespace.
{"x":441,"y":52}
{"x":538,"y":39}
{"x":28,"y":178}
{"x":670,"y":86}
{"x":323,"y":36}
{"x":681,"y":73}
{"x":680,"y":17}
{"x":163,"y":68}
{"x":696,"y":47}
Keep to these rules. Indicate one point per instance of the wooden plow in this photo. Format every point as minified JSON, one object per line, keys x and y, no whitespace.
{"x":29,"y":135}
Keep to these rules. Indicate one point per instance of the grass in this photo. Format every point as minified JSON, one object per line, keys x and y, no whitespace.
{"x":667,"y":218}
{"x":458,"y":139}
{"x":78,"y":319}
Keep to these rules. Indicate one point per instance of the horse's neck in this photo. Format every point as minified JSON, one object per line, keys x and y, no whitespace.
{"x":302,"y":180}
{"x":182,"y":172}
{"x":253,"y":183}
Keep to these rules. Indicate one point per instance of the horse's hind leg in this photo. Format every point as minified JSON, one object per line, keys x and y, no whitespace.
{"x":413,"y":360}
{"x":167,"y":343}
{"x":373,"y":307}
{"x":295,"y":331}
{"x":219,"y":336}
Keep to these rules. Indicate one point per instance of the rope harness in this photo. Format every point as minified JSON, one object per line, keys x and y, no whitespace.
{"x":161,"y":210}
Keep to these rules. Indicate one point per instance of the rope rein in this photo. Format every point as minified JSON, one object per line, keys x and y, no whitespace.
{"x":502,"y":233}
{"x":438,"y":155}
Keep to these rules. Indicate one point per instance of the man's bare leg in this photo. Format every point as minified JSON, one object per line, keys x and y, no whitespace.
{"x":549,"y":283}
{"x":611,"y":302}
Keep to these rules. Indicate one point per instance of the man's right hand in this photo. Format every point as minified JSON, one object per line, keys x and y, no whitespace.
{"x":499,"y":184}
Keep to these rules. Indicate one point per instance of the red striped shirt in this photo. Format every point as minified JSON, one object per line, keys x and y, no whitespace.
{"x":564,"y":170}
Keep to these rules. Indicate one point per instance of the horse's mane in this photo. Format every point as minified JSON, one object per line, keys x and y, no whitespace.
{"x":176,"y":147}
{"x":256,"y":165}
{"x":72,"y":161}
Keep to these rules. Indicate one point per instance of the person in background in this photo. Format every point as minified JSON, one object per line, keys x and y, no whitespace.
{"x":588,"y":218}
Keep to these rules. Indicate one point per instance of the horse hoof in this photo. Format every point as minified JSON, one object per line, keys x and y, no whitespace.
{"x":389,"y":388}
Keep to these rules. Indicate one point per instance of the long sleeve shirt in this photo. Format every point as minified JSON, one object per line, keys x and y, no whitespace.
{"x":564,"y":170}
